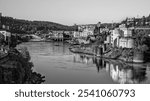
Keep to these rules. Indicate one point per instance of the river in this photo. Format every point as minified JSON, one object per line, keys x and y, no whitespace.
{"x":60,"y":66}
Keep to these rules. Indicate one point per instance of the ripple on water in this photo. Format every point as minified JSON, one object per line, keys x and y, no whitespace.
{"x":61,"y":66}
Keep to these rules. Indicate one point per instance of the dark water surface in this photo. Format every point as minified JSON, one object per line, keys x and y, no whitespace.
{"x":60,"y":66}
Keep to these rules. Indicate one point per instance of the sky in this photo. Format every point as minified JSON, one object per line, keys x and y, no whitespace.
{"x":70,"y":12}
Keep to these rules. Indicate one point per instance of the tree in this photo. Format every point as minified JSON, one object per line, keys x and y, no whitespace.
{"x":140,"y":38}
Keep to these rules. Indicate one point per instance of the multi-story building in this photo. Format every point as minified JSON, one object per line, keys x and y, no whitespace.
{"x":115,"y":37}
{"x":58,"y":34}
{"x":76,"y":34}
{"x":126,"y":42}
{"x":122,"y":37}
{"x":86,"y":30}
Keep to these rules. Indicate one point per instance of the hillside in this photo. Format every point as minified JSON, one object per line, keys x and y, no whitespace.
{"x":24,"y":26}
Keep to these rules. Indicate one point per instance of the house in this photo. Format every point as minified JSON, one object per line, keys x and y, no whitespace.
{"x":104,"y":29}
{"x":122,"y":37}
{"x":58,"y":34}
{"x":115,"y":37}
{"x":86,"y":30}
{"x":88,"y":27}
{"x":5,"y":33}
{"x":76,"y":34}
{"x":4,"y":37}
{"x":85,"y":33}
{"x":126,"y":32}
{"x":126,"y":42}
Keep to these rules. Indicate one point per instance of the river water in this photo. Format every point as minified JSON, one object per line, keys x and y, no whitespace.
{"x":60,"y":66}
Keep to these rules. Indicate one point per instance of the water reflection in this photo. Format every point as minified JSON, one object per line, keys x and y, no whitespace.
{"x":120,"y":72}
{"x":60,"y":66}
{"x":47,"y":48}
{"x":82,"y":59}
{"x":125,"y":73}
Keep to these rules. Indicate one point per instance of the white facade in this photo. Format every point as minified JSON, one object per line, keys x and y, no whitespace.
{"x":86,"y":33}
{"x":127,"y":32}
{"x":57,"y":34}
{"x":82,"y":34}
{"x":86,"y":30}
{"x":126,"y":42}
{"x":5,"y":33}
{"x":120,"y":38}
{"x":115,"y":37}
{"x":76,"y":34}
{"x":122,"y":26}
{"x":108,"y":39}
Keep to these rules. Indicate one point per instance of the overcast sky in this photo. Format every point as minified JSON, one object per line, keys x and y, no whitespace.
{"x":71,"y":12}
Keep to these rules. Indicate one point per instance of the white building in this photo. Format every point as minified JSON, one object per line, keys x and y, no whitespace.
{"x":86,"y":33}
{"x":115,"y":37}
{"x":5,"y":33}
{"x":76,"y":34}
{"x":126,"y":42}
{"x":86,"y":30}
{"x":126,"y":32}
{"x":57,"y":34}
{"x":121,"y":37}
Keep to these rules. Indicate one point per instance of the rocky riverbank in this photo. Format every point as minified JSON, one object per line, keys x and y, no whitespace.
{"x":16,"y":68}
{"x":124,"y":54}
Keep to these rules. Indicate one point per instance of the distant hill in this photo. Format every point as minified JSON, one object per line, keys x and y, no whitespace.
{"x":25,"y":26}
